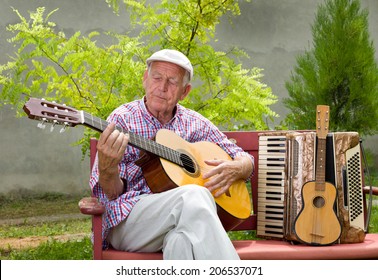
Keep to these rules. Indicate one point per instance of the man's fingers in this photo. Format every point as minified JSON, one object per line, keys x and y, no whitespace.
{"x":106,"y":133}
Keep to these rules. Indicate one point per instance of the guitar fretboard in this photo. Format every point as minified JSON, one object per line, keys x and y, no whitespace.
{"x":320,"y":165}
{"x":136,"y":140}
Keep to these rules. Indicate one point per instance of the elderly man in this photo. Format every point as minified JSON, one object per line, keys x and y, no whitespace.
{"x":183,"y":221}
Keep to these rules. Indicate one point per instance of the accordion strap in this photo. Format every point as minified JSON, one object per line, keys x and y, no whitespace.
{"x":370,"y":187}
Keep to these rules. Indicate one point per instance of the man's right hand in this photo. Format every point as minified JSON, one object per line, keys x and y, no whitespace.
{"x":111,"y":148}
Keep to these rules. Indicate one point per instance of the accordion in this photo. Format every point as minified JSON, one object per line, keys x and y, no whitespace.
{"x":287,"y":161}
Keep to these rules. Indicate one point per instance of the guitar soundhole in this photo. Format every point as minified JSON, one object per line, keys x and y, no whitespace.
{"x":319,"y":202}
{"x":188,"y":163}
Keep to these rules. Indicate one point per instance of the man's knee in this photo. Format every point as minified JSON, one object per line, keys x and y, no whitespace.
{"x":197,"y":191}
{"x":194,"y":188}
{"x":198,"y":198}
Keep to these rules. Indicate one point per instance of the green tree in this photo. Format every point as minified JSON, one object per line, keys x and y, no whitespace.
{"x":97,"y":79}
{"x":339,"y":71}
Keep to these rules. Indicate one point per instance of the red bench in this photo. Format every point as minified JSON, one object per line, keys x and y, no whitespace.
{"x":247,"y":249}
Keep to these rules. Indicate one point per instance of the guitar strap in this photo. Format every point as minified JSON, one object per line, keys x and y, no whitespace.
{"x":370,"y":205}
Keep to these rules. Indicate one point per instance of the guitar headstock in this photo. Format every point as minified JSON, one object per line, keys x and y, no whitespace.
{"x":322,"y":121}
{"x":45,"y":111}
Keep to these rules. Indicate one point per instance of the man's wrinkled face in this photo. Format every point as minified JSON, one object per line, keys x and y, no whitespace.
{"x":164,"y":87}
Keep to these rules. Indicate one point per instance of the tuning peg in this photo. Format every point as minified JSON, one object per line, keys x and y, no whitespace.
{"x":53,"y":125}
{"x":42,"y":125}
{"x":64,"y":127}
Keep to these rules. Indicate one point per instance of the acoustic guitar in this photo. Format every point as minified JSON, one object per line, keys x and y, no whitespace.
{"x":317,"y":222}
{"x":167,"y":162}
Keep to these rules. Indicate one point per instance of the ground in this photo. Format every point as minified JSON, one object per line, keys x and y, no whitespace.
{"x":6,"y":244}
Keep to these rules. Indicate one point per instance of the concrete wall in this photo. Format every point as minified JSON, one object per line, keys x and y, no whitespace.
{"x":275,"y":32}
{"x":272,"y":32}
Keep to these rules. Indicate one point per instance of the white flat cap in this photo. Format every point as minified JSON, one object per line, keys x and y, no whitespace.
{"x":172,"y":56}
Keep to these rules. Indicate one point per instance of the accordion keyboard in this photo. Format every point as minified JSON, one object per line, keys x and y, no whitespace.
{"x":271,"y":163}
{"x":354,"y":183}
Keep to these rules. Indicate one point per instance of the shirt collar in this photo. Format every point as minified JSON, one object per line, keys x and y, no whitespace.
{"x":149,"y":116}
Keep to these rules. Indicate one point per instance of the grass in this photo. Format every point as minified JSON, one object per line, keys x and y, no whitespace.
{"x":46,"y":228}
{"x":26,"y":204}
{"x":373,"y":224}
{"x":74,"y":249}
{"x":56,"y":250}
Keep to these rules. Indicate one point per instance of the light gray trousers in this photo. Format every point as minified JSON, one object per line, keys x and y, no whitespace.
{"x":183,"y":222}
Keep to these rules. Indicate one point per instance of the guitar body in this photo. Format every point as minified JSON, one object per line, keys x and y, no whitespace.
{"x":317,"y":223}
{"x":162,"y":175}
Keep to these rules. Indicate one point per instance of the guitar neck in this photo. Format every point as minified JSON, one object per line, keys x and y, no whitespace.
{"x":320,"y":161}
{"x":322,"y":124}
{"x":135,"y":140}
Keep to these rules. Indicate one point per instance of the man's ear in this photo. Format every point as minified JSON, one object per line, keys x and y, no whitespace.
{"x":145,"y":75}
{"x":187,"y":89}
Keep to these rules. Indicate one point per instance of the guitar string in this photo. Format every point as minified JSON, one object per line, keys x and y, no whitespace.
{"x":319,"y":169}
{"x":161,"y":149}
{"x":154,"y":146}
{"x":320,"y":179}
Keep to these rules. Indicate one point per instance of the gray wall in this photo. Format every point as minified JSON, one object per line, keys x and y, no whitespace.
{"x":272,"y":32}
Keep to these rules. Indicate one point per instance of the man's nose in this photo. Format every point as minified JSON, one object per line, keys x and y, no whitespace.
{"x":164,"y":84}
